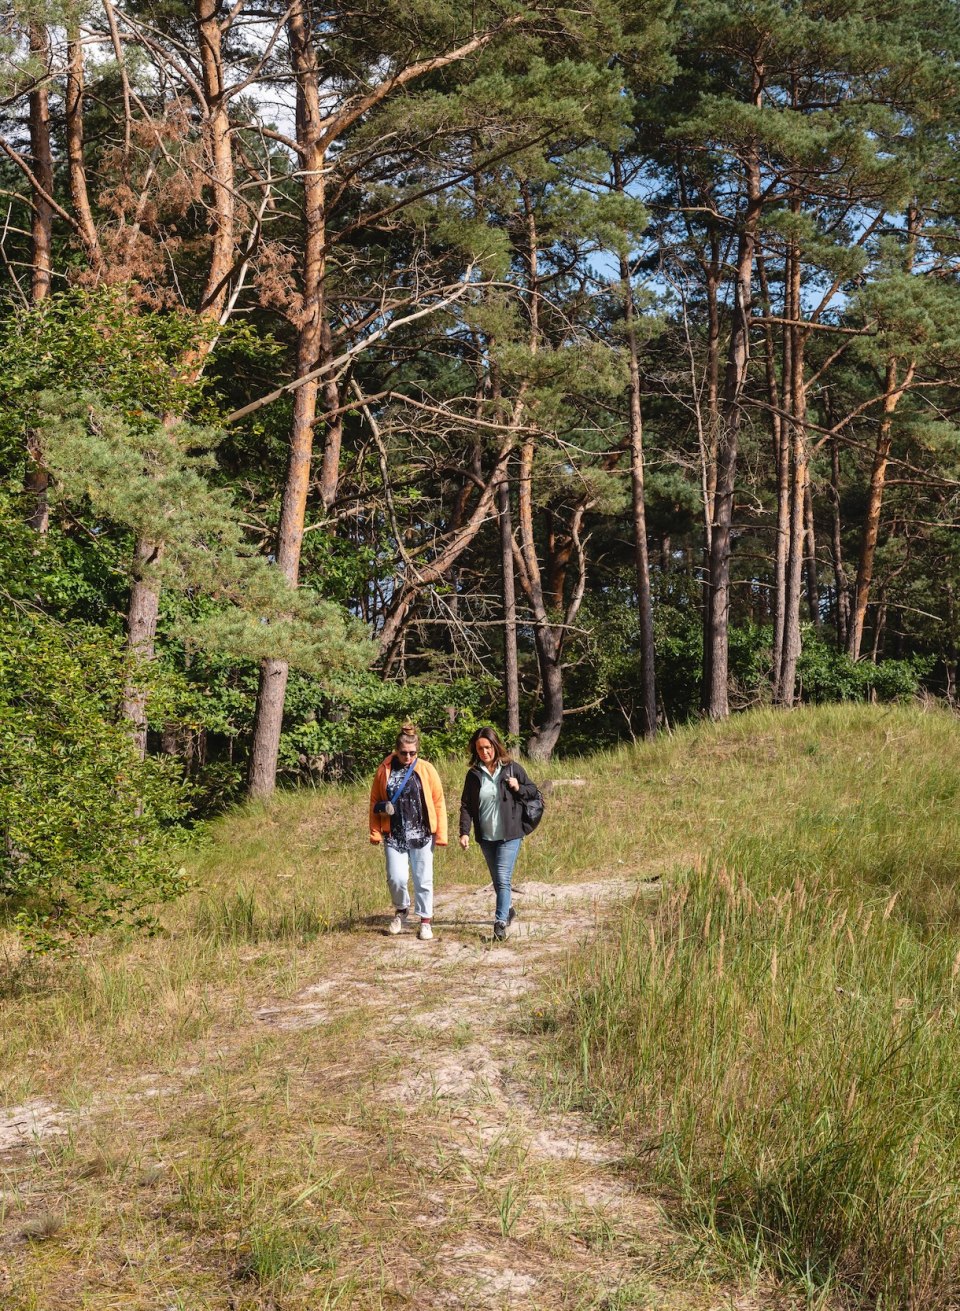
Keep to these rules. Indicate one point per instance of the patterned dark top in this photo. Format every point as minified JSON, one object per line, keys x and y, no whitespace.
{"x":409,"y":826}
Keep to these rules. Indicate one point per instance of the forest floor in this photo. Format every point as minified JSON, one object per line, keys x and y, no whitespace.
{"x":380,"y":1137}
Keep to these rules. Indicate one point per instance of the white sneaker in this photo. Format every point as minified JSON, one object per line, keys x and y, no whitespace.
{"x":425,"y":932}
{"x":396,"y":924}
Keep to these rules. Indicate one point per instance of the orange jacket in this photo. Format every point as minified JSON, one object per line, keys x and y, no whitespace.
{"x":432,"y":794}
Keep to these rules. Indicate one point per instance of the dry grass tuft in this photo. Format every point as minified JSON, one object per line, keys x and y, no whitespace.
{"x":43,"y":1226}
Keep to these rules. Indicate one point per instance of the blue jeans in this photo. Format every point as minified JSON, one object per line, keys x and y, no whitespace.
{"x":501,"y":858}
{"x":418,"y":861}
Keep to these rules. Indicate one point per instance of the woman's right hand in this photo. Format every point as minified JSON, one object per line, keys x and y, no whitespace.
{"x":464,"y":841}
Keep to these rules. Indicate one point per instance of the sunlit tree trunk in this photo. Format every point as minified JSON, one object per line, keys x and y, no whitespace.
{"x":73,"y":111}
{"x":716,"y":627}
{"x":268,"y":720}
{"x":893,"y":391}
{"x":840,"y":583}
{"x":41,"y":244}
{"x":708,"y":451}
{"x":511,"y":674}
{"x":794,"y":379}
{"x":547,"y":642}
{"x":895,"y":384}
{"x":547,"y":732}
{"x":797,"y":540}
{"x":333,"y":436}
{"x":810,"y":563}
{"x":779,"y":430}
{"x":648,"y":698}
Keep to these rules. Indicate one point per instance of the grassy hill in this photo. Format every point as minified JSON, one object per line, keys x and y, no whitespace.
{"x":779,"y":1038}
{"x":774,"y":1036}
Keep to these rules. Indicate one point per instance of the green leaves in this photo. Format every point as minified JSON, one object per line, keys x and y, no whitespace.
{"x":86,"y":826}
{"x":153,"y":479}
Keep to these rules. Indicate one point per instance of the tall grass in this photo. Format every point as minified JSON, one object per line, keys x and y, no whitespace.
{"x":776,"y":1034}
{"x":780,"y":1035}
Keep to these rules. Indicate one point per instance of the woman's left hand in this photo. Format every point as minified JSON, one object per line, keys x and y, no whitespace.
{"x":513,"y":784}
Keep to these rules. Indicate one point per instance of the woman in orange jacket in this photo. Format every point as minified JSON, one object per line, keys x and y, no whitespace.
{"x":408,"y":815}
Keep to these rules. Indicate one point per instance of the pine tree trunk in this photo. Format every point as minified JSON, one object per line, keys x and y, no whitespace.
{"x":41,"y":222}
{"x":950,"y":646}
{"x":708,"y":453}
{"x":893,"y":391}
{"x":794,"y":342}
{"x":879,"y":628}
{"x":73,"y":108}
{"x":871,"y":527}
{"x":511,"y":675}
{"x":268,"y":719}
{"x":558,"y":552}
{"x":547,"y":643}
{"x":333,"y":441}
{"x":220,"y":151}
{"x":36,"y":479}
{"x":142,"y":611}
{"x":810,"y":534}
{"x":715,"y":683}
{"x":841,"y":587}
{"x":545,"y":736}
{"x":791,"y":633}
{"x":648,"y":698}
{"x":779,"y":430}
{"x":781,"y":548}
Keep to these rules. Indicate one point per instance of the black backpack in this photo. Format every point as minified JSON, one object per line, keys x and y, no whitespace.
{"x":532,"y":812}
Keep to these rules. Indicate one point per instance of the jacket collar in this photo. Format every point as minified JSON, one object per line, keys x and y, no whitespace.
{"x":479,"y":773}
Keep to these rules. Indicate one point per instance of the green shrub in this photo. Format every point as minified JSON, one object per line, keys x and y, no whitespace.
{"x":83,"y":821}
{"x":828,"y":674}
{"x":351,"y":738}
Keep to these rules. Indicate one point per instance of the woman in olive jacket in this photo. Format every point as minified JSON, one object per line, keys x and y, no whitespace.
{"x":493,"y":791}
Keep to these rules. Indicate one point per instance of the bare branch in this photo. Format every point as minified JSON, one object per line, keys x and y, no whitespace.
{"x":342,"y":360}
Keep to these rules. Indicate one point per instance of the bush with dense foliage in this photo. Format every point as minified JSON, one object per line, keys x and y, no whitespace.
{"x":86,"y":826}
{"x":351,"y":738}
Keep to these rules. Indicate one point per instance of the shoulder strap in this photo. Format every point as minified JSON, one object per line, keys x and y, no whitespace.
{"x":403,"y":783}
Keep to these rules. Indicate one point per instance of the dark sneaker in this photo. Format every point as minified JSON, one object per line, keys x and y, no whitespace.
{"x":499,"y":931}
{"x":511,"y":914}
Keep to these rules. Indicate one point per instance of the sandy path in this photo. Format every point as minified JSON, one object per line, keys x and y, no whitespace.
{"x":554,"y":1220}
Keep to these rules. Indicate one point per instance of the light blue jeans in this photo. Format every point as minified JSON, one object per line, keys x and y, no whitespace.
{"x":501,"y":858}
{"x":418,"y":861}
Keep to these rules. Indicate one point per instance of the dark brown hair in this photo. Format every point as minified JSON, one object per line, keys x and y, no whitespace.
{"x":493,"y":737}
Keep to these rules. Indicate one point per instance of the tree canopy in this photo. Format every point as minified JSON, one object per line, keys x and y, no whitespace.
{"x":580,"y":369}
